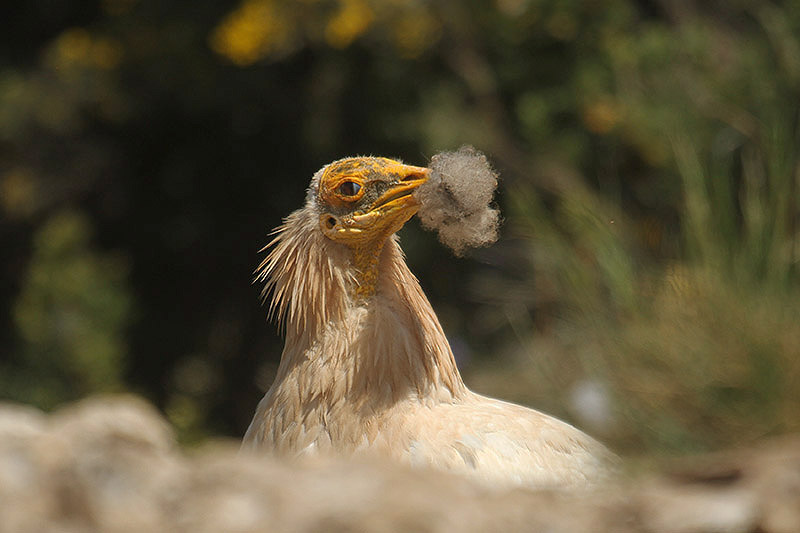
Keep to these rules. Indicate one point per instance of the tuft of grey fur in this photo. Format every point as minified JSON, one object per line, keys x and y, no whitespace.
{"x":456,"y":201}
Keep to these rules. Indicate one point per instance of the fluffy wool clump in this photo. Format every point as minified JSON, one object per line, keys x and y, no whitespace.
{"x":456,"y":200}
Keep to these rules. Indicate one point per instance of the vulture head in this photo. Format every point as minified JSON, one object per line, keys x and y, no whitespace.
{"x":337,"y":250}
{"x":363,"y":200}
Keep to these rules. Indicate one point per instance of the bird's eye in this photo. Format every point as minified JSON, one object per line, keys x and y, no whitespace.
{"x":348,"y":188}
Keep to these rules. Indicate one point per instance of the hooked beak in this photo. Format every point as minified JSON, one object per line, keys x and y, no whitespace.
{"x":399,"y":194}
{"x":397,"y":204}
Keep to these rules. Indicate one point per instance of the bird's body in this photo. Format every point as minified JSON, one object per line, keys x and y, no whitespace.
{"x":368,"y":370}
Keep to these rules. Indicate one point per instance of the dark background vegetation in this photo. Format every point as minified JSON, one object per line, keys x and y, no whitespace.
{"x":646,"y":284}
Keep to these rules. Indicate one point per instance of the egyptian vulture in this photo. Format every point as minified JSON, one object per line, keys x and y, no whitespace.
{"x":366,"y":368}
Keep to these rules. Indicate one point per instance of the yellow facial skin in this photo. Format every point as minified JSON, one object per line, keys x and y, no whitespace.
{"x":364,"y":200}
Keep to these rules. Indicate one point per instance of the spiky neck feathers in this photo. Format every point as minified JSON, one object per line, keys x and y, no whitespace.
{"x":386,"y":346}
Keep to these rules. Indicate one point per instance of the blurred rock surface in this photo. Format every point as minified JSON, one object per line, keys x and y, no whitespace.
{"x":111,"y":464}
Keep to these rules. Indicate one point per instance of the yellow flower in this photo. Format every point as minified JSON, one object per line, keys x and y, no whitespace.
{"x":105,"y":53}
{"x":351,"y":20}
{"x":601,"y":116}
{"x":73,"y":45}
{"x":251,"y":32}
{"x":414,"y":32}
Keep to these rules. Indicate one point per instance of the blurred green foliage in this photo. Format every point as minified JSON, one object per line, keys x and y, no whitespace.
{"x":71,"y":312}
{"x":646,"y":286}
{"x":690,"y":326}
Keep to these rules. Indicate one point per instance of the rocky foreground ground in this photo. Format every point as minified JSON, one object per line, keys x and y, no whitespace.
{"x":111,"y":464}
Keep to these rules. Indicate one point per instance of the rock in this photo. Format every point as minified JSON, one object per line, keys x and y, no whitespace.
{"x":678,"y":509}
{"x":111,"y":464}
{"x":120,"y":466}
{"x":26,"y":500}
